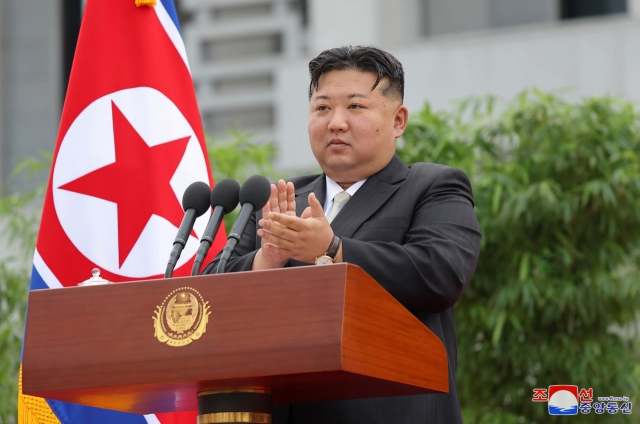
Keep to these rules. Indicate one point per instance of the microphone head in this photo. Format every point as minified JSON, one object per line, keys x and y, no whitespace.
{"x":196,"y":196}
{"x":226,"y":193}
{"x":256,"y":190}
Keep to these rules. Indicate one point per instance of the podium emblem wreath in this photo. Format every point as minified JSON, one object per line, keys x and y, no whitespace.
{"x":182,"y":317}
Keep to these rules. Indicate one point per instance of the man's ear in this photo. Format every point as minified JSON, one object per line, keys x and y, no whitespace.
{"x":400,"y":120}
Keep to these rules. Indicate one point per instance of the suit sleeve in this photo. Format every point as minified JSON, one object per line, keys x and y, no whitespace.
{"x":438,"y":257}
{"x":242,"y":258}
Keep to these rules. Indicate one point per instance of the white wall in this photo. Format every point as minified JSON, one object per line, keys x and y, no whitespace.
{"x":579,"y":58}
{"x":31,"y":102}
{"x":1,"y":80}
{"x":292,"y":104}
{"x":338,"y":22}
{"x":595,"y":56}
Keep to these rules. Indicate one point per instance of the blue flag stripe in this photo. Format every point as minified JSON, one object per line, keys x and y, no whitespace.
{"x":37,"y":282}
{"x":70,"y":413}
{"x":171,"y":10}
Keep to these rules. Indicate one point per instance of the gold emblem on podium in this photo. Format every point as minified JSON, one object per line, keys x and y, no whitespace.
{"x":182,"y":317}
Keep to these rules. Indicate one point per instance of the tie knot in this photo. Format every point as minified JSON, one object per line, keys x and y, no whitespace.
{"x":341,"y":197}
{"x":339,"y":201}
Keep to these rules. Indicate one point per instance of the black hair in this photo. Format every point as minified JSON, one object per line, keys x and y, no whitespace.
{"x":363,"y":59}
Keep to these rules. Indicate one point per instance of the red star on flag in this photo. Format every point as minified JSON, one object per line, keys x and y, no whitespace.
{"x":138,"y":191}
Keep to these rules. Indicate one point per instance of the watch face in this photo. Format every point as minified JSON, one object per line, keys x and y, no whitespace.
{"x":324,"y":260}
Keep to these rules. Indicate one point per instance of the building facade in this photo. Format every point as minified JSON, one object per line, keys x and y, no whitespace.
{"x":249,"y":58}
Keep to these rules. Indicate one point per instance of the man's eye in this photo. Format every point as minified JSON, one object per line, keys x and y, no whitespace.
{"x":319,"y":108}
{"x":355,"y":106}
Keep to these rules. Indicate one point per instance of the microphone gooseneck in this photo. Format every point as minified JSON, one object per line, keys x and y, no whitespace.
{"x":195,"y":202}
{"x":254,"y":194}
{"x":224,"y":199}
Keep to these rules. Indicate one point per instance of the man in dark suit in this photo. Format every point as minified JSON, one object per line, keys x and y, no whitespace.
{"x":413,"y":229}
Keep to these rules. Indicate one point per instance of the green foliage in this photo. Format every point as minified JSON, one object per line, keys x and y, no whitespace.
{"x":14,"y":286}
{"x":239,"y":159}
{"x":555,"y":297}
{"x":19,"y":217}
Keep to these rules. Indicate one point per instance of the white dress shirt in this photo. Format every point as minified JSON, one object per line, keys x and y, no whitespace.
{"x":334,"y":188}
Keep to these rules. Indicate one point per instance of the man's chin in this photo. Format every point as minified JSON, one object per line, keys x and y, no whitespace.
{"x":338,"y":165}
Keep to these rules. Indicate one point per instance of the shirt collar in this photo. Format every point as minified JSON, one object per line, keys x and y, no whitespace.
{"x":334,"y":188}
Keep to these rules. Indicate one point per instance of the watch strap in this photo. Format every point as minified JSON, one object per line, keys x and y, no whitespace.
{"x":332,"y":251}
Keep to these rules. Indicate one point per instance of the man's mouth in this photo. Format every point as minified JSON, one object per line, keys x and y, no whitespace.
{"x":336,"y":142}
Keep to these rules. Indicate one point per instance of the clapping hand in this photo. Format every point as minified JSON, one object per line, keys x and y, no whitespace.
{"x":303,"y":238}
{"x":281,"y":201}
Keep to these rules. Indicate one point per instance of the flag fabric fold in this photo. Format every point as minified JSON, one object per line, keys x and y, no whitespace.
{"x":130,"y":142}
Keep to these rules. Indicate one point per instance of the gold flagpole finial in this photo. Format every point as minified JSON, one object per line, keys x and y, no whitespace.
{"x":148,"y":3}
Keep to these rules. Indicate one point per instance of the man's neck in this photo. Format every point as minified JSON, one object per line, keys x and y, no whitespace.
{"x":345,"y":186}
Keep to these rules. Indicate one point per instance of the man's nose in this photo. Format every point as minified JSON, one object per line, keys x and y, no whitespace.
{"x":338,"y":121}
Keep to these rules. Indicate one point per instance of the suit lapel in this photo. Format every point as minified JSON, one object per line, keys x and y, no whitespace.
{"x":369,"y":198}
{"x":316,"y":186}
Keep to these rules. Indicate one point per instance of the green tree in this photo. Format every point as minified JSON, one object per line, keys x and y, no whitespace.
{"x":19,"y":217}
{"x":238,"y":159}
{"x":556,"y":293}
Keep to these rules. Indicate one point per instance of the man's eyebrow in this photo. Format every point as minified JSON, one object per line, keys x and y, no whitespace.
{"x":350,"y":96}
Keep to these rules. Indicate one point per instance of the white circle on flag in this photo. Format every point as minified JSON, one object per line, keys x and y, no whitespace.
{"x":91,"y":223}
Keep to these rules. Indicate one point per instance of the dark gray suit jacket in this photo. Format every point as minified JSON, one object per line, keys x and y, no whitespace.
{"x":413,"y":229}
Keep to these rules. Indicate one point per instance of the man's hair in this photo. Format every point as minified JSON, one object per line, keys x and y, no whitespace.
{"x":363,"y":59}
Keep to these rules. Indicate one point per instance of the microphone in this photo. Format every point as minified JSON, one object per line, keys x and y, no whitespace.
{"x":195,"y":202}
{"x":224,"y":199}
{"x":254,"y":194}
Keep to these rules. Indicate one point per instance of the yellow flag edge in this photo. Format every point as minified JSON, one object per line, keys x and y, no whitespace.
{"x":145,"y":3}
{"x":33,"y":410}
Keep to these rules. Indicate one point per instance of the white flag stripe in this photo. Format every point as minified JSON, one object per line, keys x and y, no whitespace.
{"x":172,"y":32}
{"x":151,"y":419}
{"x":49,"y":279}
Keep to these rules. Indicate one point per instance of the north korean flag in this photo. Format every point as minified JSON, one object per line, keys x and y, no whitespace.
{"x":130,"y":142}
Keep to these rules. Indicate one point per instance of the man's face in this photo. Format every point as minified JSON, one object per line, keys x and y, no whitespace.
{"x":352,"y":129}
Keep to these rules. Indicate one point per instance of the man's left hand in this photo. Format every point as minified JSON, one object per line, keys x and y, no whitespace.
{"x":302,"y":239}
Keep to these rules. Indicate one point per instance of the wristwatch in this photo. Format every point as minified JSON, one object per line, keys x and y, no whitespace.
{"x":330,"y":256}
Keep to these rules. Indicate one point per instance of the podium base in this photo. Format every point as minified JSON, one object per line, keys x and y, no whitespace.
{"x":230,"y":407}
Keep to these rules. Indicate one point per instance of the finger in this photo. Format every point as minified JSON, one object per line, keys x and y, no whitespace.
{"x":282,"y":196}
{"x":292,"y":222}
{"x":306,"y":213}
{"x":266,"y":209}
{"x":291,"y":198}
{"x":316,"y":207}
{"x":273,"y":199}
{"x":273,"y":249}
{"x":275,"y":240}
{"x":277,"y":229}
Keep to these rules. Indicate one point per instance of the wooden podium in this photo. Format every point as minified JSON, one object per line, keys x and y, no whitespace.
{"x":300,"y":334}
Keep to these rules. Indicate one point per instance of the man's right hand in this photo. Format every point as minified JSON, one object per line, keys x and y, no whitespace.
{"x":282,"y":200}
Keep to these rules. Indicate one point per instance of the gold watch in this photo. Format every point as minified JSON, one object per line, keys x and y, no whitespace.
{"x":330,"y":256}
